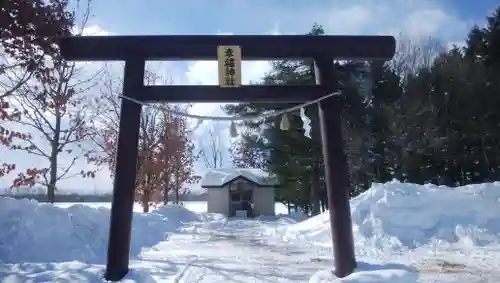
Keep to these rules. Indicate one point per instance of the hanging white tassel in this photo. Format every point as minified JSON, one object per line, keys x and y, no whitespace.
{"x":284,"y":124}
{"x":306,"y":123}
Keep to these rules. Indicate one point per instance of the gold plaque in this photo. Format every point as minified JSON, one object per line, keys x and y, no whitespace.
{"x":229,"y":59}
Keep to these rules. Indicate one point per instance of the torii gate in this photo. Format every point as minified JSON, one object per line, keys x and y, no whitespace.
{"x":135,"y":50}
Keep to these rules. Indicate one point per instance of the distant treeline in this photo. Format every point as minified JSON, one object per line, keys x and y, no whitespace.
{"x":63,"y":198}
{"x":89,"y":198}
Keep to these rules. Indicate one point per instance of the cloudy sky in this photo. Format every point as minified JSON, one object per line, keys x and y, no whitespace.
{"x":447,"y":20}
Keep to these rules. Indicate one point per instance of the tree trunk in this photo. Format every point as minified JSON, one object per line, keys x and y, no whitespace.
{"x":165,"y":194}
{"x":51,"y":193}
{"x":54,"y":151}
{"x":145,"y":205}
{"x":176,"y":194}
{"x":146,"y":193}
{"x":306,"y":209}
{"x":323,"y":206}
{"x":315,"y":203}
{"x":177,"y":197}
{"x":166,"y":189}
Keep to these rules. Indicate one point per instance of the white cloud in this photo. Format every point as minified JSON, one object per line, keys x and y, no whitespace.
{"x":350,"y":20}
{"x":205,"y":72}
{"x":414,"y":19}
{"x":432,"y":23}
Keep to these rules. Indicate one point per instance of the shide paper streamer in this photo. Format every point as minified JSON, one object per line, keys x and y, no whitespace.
{"x":306,"y":123}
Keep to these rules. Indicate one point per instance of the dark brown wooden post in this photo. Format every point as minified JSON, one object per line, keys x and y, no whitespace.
{"x":336,"y":169}
{"x":125,"y":173}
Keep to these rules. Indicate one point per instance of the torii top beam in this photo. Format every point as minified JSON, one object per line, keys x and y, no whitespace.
{"x":202,"y":47}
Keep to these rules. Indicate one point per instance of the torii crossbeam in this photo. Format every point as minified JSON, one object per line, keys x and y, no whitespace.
{"x":135,"y":50}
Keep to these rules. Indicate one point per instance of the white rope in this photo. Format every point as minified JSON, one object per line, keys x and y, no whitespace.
{"x":222,"y":118}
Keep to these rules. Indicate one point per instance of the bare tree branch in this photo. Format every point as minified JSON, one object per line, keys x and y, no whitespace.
{"x":213,"y":148}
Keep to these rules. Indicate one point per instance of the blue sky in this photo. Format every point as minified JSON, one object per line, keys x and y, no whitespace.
{"x":257,"y":16}
{"x":446,"y":20}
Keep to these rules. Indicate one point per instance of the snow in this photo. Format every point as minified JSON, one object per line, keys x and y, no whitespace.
{"x":78,"y":232}
{"x":403,"y":233}
{"x":371,"y":273}
{"x":137,"y":206}
{"x":399,"y":217}
{"x":63,"y":272}
{"x":219,"y":177}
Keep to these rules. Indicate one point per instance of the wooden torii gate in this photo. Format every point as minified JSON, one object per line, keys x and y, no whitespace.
{"x":135,"y":50}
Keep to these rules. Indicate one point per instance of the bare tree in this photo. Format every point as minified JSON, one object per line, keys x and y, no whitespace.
{"x":150,"y":167}
{"x":213,"y":147}
{"x":411,"y":56}
{"x":58,"y":112}
{"x":56,"y":108}
{"x":165,"y":160}
{"x":27,"y":47}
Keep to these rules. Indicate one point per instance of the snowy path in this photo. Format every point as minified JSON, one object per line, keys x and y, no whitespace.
{"x":238,"y":251}
{"x":228,"y":251}
{"x":460,"y":265}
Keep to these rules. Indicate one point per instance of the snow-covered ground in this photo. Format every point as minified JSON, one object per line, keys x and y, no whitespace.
{"x":403,"y":232}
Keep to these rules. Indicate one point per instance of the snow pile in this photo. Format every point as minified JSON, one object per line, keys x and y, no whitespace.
{"x":36,"y":232}
{"x":371,"y":273}
{"x":218,"y":177}
{"x":283,"y":218}
{"x":402,"y":216}
{"x":178,"y":214}
{"x":64,"y":273}
{"x":279,"y":218}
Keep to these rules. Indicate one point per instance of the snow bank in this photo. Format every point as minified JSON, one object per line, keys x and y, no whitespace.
{"x":400,"y":216}
{"x":371,"y":273}
{"x":36,"y":232}
{"x":137,"y":206}
{"x":178,"y":214}
{"x":64,"y":273}
{"x":282,"y":218}
{"x":278,"y":217}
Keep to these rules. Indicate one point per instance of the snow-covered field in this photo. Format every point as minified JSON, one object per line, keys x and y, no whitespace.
{"x":404,"y":233}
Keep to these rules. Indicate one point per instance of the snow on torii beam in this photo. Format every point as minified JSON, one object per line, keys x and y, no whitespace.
{"x":135,"y":50}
